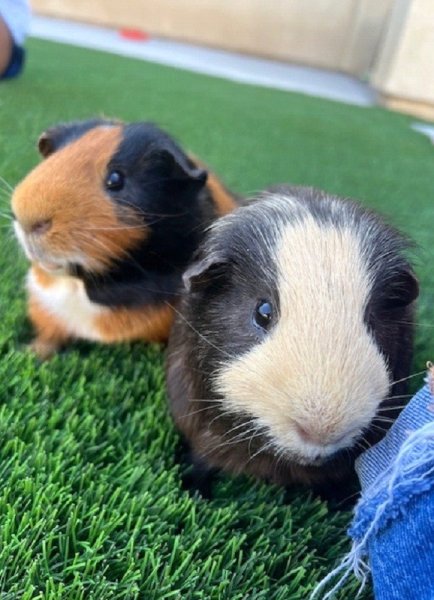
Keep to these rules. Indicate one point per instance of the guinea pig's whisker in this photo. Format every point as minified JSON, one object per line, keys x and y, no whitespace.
{"x":251,"y":193}
{"x":5,"y":191}
{"x":261,"y":433}
{"x":409,"y":377}
{"x":280,"y":456}
{"x":239,"y":426}
{"x":244,"y":436}
{"x":360,"y":446}
{"x":9,"y":237}
{"x":237,"y":439}
{"x":222,"y":413}
{"x":154,"y":222}
{"x":214,"y":400}
{"x":129,"y":256}
{"x":205,"y":401}
{"x":362,"y":443}
{"x":5,"y":200}
{"x":89,"y":244}
{"x":200,"y":334}
{"x":6,"y":184}
{"x":348,"y":498}
{"x":393,"y":405}
{"x":144,"y":213}
{"x":201,"y":371}
{"x":415,"y":323}
{"x":91,"y":241}
{"x":194,"y":412}
{"x":7,"y":216}
{"x":166,"y":215}
{"x":398,"y":396}
{"x":379,"y":428}
{"x":121,"y":228}
{"x":262,"y":449}
{"x":380,"y":419}
{"x":391,"y":408}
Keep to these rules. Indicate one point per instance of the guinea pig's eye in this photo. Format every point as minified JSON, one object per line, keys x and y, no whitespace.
{"x":263,"y":315}
{"x":115,"y":181}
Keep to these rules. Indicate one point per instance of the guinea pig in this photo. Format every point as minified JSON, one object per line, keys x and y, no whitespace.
{"x":109,"y":221}
{"x":293,"y":338}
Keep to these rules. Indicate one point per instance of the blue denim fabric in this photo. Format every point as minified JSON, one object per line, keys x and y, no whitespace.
{"x":393,"y":525}
{"x":16,"y":63}
{"x":394,"y":520}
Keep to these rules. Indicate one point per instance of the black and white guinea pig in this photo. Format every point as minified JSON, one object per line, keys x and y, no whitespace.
{"x":109,"y":221}
{"x":294,"y":335}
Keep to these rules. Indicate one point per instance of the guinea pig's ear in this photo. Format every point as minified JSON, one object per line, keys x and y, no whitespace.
{"x":183,"y":169}
{"x":404,"y":290}
{"x":60,"y":135}
{"x":205,"y":271}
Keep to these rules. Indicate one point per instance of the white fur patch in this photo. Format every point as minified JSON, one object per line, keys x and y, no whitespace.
{"x":67,"y":300}
{"x":53,"y":264}
{"x":318,"y":368}
{"x":22,"y":239}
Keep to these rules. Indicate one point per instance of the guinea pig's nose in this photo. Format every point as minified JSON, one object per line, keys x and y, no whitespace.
{"x":308,"y":435}
{"x":40,"y":227}
{"x":314,"y":435}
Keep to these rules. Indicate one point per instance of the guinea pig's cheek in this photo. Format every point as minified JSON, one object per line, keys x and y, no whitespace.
{"x":310,"y":410}
{"x":32,"y":249}
{"x":248,"y":386}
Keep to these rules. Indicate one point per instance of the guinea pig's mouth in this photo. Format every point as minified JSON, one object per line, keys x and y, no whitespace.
{"x":319,"y":459}
{"x":54,"y":264}
{"x":315,"y":455}
{"x":314,"y":460}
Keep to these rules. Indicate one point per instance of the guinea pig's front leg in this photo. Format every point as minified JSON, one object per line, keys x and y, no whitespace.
{"x":340,"y":495}
{"x":50,"y":334}
{"x":200,"y":476}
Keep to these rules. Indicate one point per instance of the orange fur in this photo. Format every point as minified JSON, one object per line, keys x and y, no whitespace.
{"x":67,"y":189}
{"x":43,"y":278}
{"x":224,"y":201}
{"x":108,"y":325}
{"x":147,"y":323}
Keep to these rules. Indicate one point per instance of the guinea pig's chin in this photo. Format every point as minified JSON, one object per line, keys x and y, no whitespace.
{"x":63,"y":266}
{"x":317,"y":455}
{"x":55,"y":269}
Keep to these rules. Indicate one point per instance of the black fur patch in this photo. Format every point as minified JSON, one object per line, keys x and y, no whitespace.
{"x":242,"y":247}
{"x":130,"y":286}
{"x":235,"y":267}
{"x":168,"y":193}
{"x":63,"y":134}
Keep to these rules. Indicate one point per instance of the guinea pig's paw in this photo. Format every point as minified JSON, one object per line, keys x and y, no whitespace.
{"x":43,"y":349}
{"x":199,"y":478}
{"x":340,"y":496}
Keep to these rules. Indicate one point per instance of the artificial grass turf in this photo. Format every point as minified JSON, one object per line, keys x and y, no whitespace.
{"x":91,"y":505}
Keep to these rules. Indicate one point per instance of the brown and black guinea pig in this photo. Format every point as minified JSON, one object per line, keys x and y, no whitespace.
{"x":293,"y":340}
{"x":109,"y":221}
